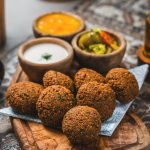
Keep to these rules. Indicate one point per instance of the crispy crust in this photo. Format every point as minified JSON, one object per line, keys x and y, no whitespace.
{"x":123,"y":83}
{"x":81,"y":125}
{"x":57,"y":78}
{"x":99,"y":96}
{"x":22,"y":96}
{"x":53,"y":103}
{"x":85,"y":75}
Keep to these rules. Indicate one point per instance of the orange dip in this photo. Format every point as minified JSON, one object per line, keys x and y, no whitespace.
{"x":58,"y":24}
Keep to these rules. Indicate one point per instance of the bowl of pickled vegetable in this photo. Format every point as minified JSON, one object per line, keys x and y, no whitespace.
{"x":100,"y":49}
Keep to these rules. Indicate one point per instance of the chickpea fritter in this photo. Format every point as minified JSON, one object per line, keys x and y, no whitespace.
{"x":53,"y":103}
{"x":99,"y":96}
{"x":82,"y":125}
{"x":123,"y":83}
{"x":85,"y":75}
{"x":57,"y":78}
{"x":22,"y":96}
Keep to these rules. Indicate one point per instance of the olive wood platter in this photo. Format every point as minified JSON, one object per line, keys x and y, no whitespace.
{"x":131,"y":134}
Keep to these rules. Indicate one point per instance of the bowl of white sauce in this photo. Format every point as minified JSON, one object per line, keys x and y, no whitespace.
{"x":37,"y":56}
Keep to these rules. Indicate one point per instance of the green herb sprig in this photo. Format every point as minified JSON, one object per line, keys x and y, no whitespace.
{"x":46,"y":56}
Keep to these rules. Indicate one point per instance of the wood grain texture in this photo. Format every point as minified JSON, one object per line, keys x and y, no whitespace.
{"x":130,"y":135}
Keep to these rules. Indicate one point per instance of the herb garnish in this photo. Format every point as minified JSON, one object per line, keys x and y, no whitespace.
{"x":46,"y":56}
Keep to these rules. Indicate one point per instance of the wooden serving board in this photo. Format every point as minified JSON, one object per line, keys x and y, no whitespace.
{"x":130,"y":135}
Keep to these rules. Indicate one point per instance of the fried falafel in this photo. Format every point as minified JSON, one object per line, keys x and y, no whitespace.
{"x":123,"y":83}
{"x":82,"y":125}
{"x":99,"y":96}
{"x":53,"y":103}
{"x":22,"y":96}
{"x":56,"y":78}
{"x":85,"y":75}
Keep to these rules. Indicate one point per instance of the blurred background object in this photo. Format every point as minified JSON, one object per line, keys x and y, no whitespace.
{"x":147,"y":37}
{"x":2,"y":23}
{"x":1,"y":72}
{"x":144,"y":51}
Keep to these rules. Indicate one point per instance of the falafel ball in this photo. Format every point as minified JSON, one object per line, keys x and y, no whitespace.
{"x":22,"y":96}
{"x":53,"y":103}
{"x":99,"y":96}
{"x":57,"y":78}
{"x":85,"y":75}
{"x":123,"y":83}
{"x":82,"y":125}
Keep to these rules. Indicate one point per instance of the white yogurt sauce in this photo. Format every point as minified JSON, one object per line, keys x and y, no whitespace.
{"x":45,"y":53}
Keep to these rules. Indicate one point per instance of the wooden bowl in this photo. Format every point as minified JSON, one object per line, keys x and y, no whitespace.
{"x":68,"y":37}
{"x":36,"y":71}
{"x":101,"y":63}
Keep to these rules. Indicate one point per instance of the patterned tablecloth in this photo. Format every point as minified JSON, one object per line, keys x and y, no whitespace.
{"x":127,"y":17}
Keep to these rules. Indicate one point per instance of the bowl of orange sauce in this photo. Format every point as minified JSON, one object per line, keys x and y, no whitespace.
{"x":64,"y":25}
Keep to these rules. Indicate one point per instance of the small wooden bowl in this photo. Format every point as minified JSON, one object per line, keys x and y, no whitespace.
{"x":36,"y":71}
{"x":101,"y":63}
{"x":68,"y":37}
